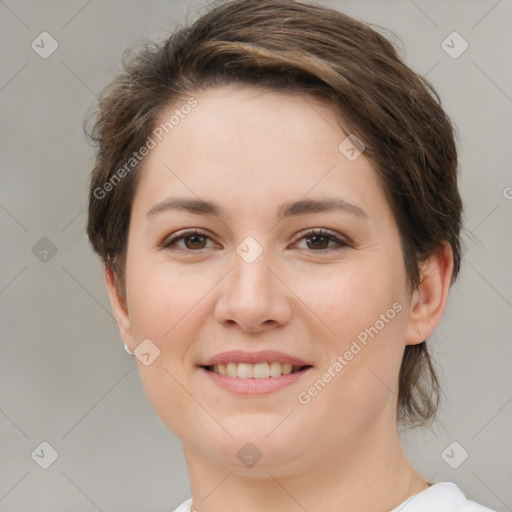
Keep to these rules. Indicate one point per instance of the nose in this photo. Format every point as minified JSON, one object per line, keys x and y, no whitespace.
{"x":253,"y":297}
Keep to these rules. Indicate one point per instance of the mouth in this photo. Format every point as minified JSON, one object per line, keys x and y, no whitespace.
{"x":263,"y":370}
{"x":254,"y":373}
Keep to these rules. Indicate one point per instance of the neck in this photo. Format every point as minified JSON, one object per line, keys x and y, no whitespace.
{"x":369,"y":474}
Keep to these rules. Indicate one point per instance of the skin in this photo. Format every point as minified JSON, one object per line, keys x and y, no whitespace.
{"x":251,"y":150}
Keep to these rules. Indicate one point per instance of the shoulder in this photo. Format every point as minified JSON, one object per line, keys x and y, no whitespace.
{"x":186,"y":506}
{"x":440,"y":497}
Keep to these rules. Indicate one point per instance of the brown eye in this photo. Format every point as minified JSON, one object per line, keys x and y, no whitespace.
{"x":318,"y":240}
{"x":192,"y":241}
{"x":195,"y":241}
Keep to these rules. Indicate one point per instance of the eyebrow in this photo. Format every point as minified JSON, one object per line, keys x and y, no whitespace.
{"x":290,"y":209}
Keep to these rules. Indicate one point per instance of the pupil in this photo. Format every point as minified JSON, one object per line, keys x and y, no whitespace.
{"x":195,"y":238}
{"x":316,"y":237}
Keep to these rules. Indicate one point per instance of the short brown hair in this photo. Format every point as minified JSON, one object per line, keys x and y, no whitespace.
{"x":303,"y":48}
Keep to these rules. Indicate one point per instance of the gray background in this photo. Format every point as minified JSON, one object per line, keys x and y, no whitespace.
{"x":64,"y":376}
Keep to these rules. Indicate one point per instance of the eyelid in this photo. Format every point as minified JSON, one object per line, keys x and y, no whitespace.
{"x":340,"y":240}
{"x":183,"y":233}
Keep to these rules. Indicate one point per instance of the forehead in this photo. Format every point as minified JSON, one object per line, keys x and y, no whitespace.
{"x":251,"y":146}
{"x":241,"y":119}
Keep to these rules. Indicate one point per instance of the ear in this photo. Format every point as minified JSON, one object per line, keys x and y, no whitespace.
{"x":428,"y":301}
{"x":120,"y":308}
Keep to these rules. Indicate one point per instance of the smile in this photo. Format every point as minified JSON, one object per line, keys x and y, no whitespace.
{"x":262,"y":370}
{"x":254,"y":373}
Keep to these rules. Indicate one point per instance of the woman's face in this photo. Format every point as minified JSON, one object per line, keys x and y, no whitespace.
{"x":260,"y":284}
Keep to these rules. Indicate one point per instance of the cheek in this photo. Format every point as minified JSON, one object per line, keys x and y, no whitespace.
{"x":352,"y":297}
{"x":364,"y":306}
{"x":160,"y":296}
{"x":165,"y":305}
{"x":167,"y":395}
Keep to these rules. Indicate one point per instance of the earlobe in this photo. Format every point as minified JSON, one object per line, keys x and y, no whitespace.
{"x":119,"y":306}
{"x":428,"y":301}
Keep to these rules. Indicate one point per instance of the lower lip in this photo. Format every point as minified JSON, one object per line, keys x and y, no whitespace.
{"x":254,"y":386}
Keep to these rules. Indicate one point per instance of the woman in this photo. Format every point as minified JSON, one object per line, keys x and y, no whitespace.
{"x":275,"y":201}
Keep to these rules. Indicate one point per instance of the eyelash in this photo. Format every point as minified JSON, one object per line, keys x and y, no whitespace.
{"x":170,"y":243}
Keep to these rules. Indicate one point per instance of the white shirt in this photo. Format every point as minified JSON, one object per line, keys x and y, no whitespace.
{"x":440,"y":497}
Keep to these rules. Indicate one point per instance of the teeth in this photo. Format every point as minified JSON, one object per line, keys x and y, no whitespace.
{"x":255,"y":371}
{"x":232,"y":370}
{"x":275,"y":369}
{"x":286,"y":368}
{"x":245,"y":371}
{"x":260,"y":371}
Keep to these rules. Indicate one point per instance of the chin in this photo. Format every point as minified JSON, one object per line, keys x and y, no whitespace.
{"x":265,"y":437}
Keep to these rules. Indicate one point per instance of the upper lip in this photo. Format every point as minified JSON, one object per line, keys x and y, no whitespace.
{"x":268,"y":356}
